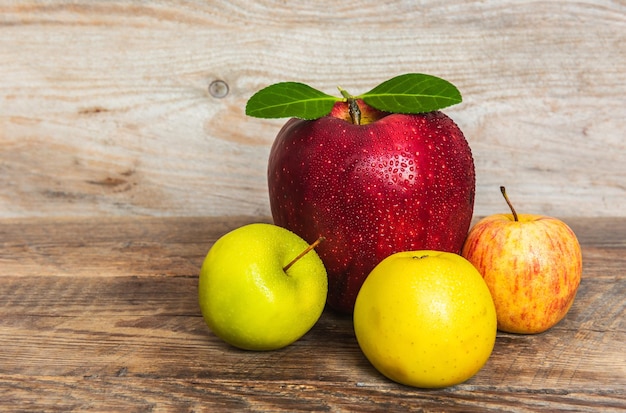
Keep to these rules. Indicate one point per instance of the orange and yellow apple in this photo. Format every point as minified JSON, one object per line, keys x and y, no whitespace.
{"x":532,"y":265}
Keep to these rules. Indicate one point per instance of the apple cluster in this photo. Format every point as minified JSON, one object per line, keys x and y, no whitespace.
{"x":373,"y":179}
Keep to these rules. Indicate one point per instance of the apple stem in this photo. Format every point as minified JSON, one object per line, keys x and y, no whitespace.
{"x":355,"y":111}
{"x":345,"y":93}
{"x":353,"y":107}
{"x":303,"y":253}
{"x":506,"y":198}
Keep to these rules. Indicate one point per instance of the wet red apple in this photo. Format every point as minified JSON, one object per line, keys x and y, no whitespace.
{"x":373,"y":183}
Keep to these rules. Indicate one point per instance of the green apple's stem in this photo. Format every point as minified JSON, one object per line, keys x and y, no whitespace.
{"x":353,"y":107}
{"x":506,"y":198}
{"x":303,"y":253}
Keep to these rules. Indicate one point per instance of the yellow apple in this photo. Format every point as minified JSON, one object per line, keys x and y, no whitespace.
{"x":532,"y":265}
{"x":425,"y":319}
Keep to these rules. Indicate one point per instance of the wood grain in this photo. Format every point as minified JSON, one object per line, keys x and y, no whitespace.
{"x":105,"y":109}
{"x":102,"y":315}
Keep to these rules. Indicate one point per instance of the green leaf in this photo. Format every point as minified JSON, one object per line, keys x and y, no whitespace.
{"x":412,"y":93}
{"x":290,"y":99}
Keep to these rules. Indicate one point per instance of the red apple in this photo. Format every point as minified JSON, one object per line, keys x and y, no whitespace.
{"x":374,"y":186}
{"x":532,"y":265}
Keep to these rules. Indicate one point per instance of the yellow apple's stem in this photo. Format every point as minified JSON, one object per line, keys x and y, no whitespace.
{"x":303,"y":253}
{"x":506,"y":198}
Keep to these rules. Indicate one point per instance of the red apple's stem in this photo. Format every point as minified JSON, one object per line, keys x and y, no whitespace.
{"x":345,"y":93}
{"x":355,"y":111}
{"x":353,"y":107}
{"x":506,"y":198}
{"x":303,"y":253}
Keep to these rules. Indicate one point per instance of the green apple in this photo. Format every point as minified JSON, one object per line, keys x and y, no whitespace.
{"x":262,"y":287}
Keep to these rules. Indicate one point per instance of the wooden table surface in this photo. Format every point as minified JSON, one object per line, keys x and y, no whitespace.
{"x":101,"y":314}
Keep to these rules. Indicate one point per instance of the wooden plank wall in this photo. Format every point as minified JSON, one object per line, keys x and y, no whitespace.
{"x":105,"y":106}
